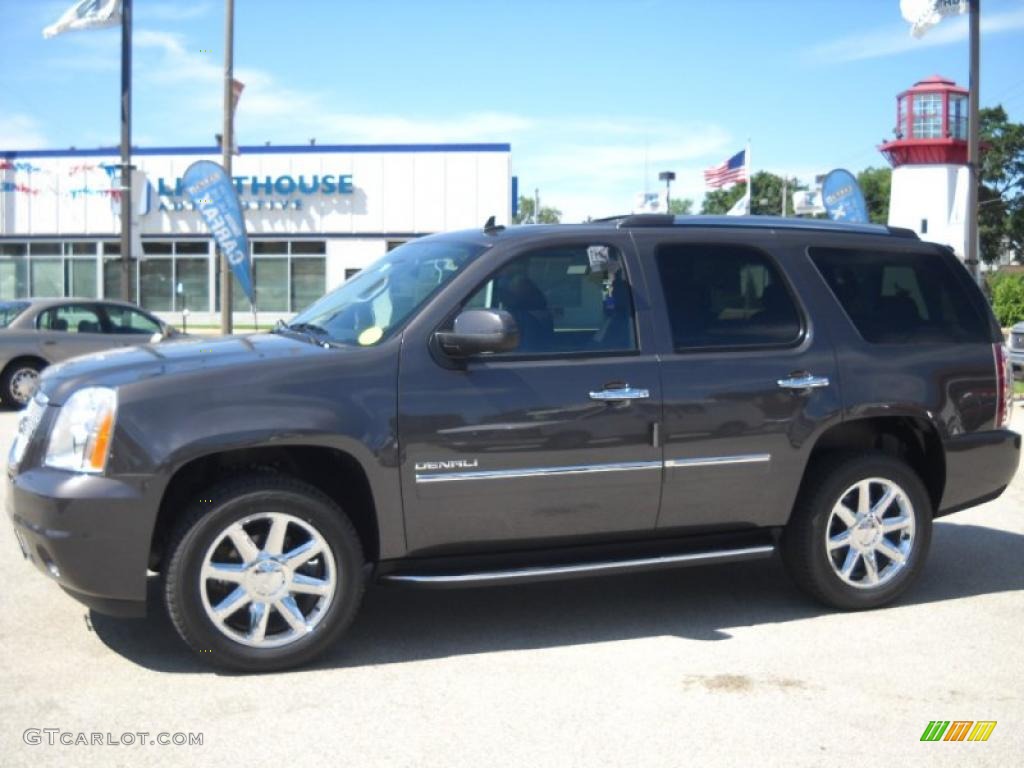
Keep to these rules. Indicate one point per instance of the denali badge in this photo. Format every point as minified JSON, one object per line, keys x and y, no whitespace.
{"x":453,"y":464}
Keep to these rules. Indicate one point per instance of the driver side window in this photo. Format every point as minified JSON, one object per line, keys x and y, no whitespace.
{"x":568,"y":299}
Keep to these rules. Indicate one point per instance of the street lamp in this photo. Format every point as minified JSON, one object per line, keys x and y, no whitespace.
{"x":668,"y":177}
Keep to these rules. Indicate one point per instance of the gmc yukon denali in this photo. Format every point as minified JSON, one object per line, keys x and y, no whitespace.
{"x":505,"y":405}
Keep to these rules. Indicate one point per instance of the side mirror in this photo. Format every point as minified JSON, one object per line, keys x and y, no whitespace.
{"x":479,"y":331}
{"x":156,"y":338}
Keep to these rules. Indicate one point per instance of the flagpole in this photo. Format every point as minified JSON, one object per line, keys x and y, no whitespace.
{"x":227,"y":143}
{"x":126,"y":148}
{"x":750,"y":181}
{"x":973,"y":135}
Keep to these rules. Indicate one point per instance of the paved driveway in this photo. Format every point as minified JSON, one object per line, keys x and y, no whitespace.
{"x":723,"y":665}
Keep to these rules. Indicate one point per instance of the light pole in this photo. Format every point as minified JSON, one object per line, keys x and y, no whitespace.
{"x":227,"y":144}
{"x":668,"y":177}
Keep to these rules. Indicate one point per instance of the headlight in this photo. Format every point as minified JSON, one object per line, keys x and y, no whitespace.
{"x":80,"y":440}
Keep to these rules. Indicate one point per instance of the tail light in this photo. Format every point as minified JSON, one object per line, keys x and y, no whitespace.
{"x":1004,"y":386}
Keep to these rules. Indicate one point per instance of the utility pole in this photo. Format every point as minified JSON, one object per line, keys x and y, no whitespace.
{"x":227,"y":143}
{"x":536,"y":205}
{"x":126,"y":149}
{"x":785,"y":184}
{"x":973,"y":135}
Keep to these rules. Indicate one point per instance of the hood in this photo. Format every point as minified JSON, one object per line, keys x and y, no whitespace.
{"x":174,"y":356}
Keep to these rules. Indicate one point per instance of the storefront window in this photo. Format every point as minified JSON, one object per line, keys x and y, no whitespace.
{"x":157,"y":248}
{"x":156,"y":284}
{"x":195,"y":284}
{"x":308,"y":247}
{"x":271,"y":283}
{"x":260,"y":247}
{"x":80,"y":277}
{"x":47,"y":277}
{"x":309,"y":282}
{"x":112,"y":278}
{"x":82,"y":248}
{"x":192,"y":247}
{"x":44,"y":249}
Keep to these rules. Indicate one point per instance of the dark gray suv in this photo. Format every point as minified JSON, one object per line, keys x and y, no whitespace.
{"x":507,"y":405}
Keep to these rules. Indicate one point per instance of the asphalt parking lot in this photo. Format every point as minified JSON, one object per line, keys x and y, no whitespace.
{"x":722,"y":665}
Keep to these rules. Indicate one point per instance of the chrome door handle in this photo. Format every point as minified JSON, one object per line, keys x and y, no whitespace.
{"x":625,"y":393}
{"x":806,"y":381}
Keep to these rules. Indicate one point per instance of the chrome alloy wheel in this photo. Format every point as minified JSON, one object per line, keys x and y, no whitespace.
{"x":870,"y":533}
{"x":24,"y":383}
{"x":268,"y":580}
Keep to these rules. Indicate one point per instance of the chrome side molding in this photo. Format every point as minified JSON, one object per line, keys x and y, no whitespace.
{"x":711,"y":461}
{"x":506,"y":474}
{"x":540,"y":573}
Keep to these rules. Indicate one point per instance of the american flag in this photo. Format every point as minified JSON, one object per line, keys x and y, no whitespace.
{"x":732,"y":171}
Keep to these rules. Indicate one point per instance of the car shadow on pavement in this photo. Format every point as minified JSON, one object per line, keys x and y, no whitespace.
{"x":702,"y":603}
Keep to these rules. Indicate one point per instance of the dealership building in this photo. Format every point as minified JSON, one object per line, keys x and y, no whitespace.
{"x":315,"y":215}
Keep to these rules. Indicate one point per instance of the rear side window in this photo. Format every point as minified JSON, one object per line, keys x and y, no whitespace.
{"x":725,"y":296}
{"x":901,"y":298}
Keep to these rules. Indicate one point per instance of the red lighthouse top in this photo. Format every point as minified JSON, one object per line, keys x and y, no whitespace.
{"x":931,"y":125}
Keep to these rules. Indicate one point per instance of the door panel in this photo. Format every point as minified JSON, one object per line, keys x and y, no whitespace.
{"x":511,"y":451}
{"x":735,"y":440}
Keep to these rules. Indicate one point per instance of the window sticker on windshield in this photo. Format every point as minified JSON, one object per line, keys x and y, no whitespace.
{"x":370,"y":336}
{"x":598,"y":256}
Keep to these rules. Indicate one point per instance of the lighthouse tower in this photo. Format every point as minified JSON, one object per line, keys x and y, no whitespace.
{"x":929,"y":162}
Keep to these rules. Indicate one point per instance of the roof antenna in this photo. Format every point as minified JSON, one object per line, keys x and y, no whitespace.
{"x":490,"y":228}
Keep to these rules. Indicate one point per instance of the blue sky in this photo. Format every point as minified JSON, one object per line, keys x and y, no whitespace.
{"x":583,"y":91}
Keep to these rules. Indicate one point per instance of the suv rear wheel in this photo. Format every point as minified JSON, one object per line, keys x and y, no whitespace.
{"x":860,"y":530}
{"x":264,"y":573}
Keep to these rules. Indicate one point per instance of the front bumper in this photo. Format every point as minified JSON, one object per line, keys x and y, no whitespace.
{"x":979,"y":466}
{"x":90,"y":534}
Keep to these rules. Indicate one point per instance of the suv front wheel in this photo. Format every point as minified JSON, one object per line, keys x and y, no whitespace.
{"x":860,"y":530}
{"x":264,"y":573}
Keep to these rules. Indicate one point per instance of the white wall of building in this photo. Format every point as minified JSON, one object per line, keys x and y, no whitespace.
{"x":396,"y":193}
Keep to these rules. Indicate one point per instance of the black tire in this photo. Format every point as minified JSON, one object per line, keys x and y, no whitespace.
{"x":804,"y":549}
{"x":207,"y":519}
{"x":9,"y":378}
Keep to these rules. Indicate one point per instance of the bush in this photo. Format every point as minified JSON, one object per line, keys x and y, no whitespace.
{"x":1008,"y":299}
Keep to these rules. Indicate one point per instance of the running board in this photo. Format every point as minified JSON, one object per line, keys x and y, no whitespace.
{"x":546,"y":573}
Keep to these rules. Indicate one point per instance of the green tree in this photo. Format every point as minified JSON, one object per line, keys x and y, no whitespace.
{"x":766,"y":196}
{"x":1001,"y":194}
{"x":525,"y":214}
{"x":876,"y":184}
{"x":1008,"y":300}
{"x":680,"y":206}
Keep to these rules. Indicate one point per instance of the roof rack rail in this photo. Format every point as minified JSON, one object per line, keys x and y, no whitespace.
{"x":903,"y":232}
{"x":645,"y":220}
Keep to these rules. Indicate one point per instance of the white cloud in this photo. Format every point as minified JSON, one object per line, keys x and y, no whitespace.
{"x":20,"y":132}
{"x":895,"y":39}
{"x":583,"y":165}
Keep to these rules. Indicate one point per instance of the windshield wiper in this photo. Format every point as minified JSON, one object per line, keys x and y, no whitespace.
{"x":311,"y":332}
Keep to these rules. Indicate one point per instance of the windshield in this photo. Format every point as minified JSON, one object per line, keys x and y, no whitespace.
{"x":378,"y":299}
{"x":10,"y":310}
